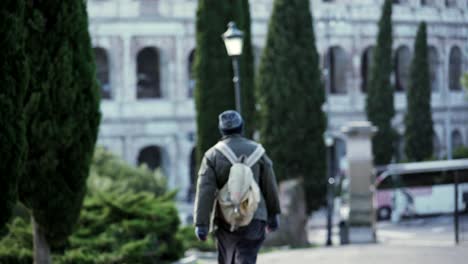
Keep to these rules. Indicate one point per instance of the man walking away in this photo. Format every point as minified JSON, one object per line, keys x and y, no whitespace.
{"x":236,"y":194}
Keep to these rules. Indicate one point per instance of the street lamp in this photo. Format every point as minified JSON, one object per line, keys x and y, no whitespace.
{"x":233,"y":39}
{"x":329,"y":141}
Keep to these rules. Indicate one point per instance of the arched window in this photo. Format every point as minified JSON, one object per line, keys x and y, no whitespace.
{"x":191,"y":76}
{"x":399,"y":146}
{"x":151,"y":156}
{"x":257,"y":54}
{"x":402,"y":66}
{"x":455,"y":68}
{"x":436,"y":146}
{"x":450,"y":3}
{"x":434,"y":68}
{"x":193,"y":176}
{"x":337,"y":64}
{"x":148,"y":73}
{"x":427,"y":2}
{"x":366,"y":66}
{"x":457,"y":140}
{"x":102,"y":72}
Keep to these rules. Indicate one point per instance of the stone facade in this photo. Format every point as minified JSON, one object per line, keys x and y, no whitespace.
{"x":345,"y":30}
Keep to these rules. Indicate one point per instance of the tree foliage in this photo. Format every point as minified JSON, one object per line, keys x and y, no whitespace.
{"x":290,"y":95}
{"x":214,"y":92}
{"x":63,"y":116}
{"x":380,"y":107}
{"x":419,"y":131}
{"x":242,"y":17}
{"x":14,"y":81}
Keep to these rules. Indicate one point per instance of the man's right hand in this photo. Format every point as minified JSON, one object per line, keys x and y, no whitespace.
{"x":273,"y":223}
{"x":201,"y":232}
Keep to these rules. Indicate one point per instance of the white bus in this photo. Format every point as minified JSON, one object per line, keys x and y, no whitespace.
{"x":422,"y":188}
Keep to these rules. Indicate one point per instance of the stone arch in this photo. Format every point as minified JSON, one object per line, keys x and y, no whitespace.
{"x":190,"y":73}
{"x":257,"y":54}
{"x":457,"y":139}
{"x":437,"y":150}
{"x":339,"y":156}
{"x":366,"y":66}
{"x":148,"y":73}
{"x":455,"y":68}
{"x":102,"y":71}
{"x":434,"y":68}
{"x":450,"y":3}
{"x":427,"y":2}
{"x":151,"y":156}
{"x":402,"y":68}
{"x":193,"y":175}
{"x":336,"y":62}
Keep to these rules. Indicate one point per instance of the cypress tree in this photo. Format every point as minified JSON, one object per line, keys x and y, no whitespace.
{"x":418,"y":120}
{"x":242,"y":17}
{"x":379,"y":102}
{"x":214,"y":90}
{"x":290,"y":95}
{"x":14,"y":80}
{"x":63,"y":118}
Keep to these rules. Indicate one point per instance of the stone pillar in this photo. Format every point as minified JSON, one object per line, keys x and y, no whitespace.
{"x":361,"y":221}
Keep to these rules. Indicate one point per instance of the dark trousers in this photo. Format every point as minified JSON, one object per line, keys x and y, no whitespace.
{"x":242,"y":245}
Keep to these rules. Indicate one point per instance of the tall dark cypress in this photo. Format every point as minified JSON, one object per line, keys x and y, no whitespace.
{"x":214,"y":90}
{"x":418,"y":120}
{"x":63,"y":117}
{"x":380,"y":108}
{"x":13,"y":80}
{"x":242,"y":17}
{"x":290,"y":94}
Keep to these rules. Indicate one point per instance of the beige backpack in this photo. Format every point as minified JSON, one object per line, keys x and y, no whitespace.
{"x":239,"y":197}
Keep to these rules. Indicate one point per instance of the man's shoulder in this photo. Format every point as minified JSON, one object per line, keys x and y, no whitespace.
{"x":211,"y":153}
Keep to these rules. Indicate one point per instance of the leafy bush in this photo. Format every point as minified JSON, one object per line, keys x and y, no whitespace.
{"x":111,"y":173}
{"x":127,"y":217}
{"x":126,"y":228}
{"x":190,"y":241}
{"x":461,"y":153}
{"x":16,"y":247}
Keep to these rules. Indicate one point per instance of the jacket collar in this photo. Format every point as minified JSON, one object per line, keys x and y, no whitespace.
{"x":231,"y":136}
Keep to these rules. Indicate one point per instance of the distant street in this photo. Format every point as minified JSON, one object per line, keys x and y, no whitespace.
{"x":433,"y":231}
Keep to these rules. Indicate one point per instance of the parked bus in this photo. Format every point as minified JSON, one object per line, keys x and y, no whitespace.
{"x":422,"y":188}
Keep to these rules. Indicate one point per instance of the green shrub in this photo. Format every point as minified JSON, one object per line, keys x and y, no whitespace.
{"x":190,"y":241}
{"x":16,"y":247}
{"x":460,"y":153}
{"x":111,"y":173}
{"x":127,"y":217}
{"x":127,"y":228}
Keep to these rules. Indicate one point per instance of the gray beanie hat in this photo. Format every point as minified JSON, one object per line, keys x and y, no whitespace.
{"x":229,"y":120}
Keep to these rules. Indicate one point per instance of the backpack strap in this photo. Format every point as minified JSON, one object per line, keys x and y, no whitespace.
{"x":255,"y":156}
{"x":232,"y":157}
{"x":227,"y":152}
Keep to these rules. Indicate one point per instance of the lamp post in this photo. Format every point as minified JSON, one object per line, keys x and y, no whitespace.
{"x":329,"y":141}
{"x":233,"y":39}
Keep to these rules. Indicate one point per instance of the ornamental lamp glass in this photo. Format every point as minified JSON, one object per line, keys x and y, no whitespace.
{"x":233,"y":39}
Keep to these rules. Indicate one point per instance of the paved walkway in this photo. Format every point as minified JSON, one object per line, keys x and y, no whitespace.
{"x":418,"y":241}
{"x":366,"y":254}
{"x":370,"y":254}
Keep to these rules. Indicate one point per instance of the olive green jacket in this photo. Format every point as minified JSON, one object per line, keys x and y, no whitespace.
{"x":214,"y":173}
